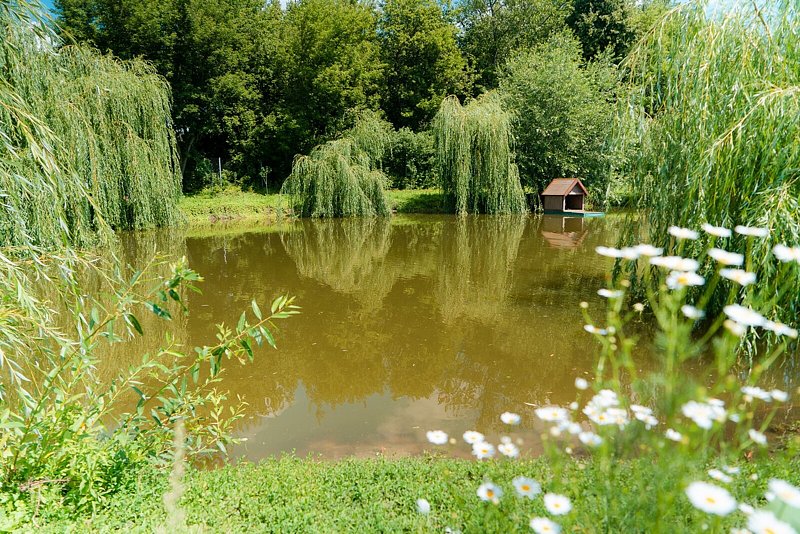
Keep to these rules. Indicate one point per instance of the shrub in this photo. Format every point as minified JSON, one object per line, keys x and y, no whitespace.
{"x":410,"y":160}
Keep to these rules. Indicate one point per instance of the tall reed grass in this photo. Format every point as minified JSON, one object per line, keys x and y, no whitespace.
{"x":475,"y":156}
{"x":713,"y":116}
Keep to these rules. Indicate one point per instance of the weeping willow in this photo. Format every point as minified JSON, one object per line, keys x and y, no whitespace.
{"x":86,"y":142}
{"x":714,"y":116}
{"x":475,"y":157}
{"x":342,"y":178}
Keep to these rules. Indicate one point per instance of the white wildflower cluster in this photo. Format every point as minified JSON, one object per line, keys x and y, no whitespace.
{"x":705,"y":414}
{"x":754,"y":392}
{"x":740,"y":318}
{"x":603,"y":409}
{"x":528,"y":488}
{"x":715,"y":500}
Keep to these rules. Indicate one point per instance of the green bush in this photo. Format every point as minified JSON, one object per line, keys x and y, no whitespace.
{"x":410,"y":160}
{"x":563,"y":113}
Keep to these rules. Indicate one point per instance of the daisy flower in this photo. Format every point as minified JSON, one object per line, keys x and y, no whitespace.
{"x":779,"y":395}
{"x":423,"y":506}
{"x":609,"y":252}
{"x":780,"y":329}
{"x":734,"y":328}
{"x":594,"y":330}
{"x":510,"y":418}
{"x":716,"y":231}
{"x":741,"y":277}
{"x":757,"y":437}
{"x":581,"y":383}
{"x":552,"y":414}
{"x":751,"y":231}
{"x":489,"y":492}
{"x":526,"y":487}
{"x":508,"y":449}
{"x":744,"y":316}
{"x":726,"y":258}
{"x":785,"y":492}
{"x":763,"y":522}
{"x":673,"y":435}
{"x":678,"y":279}
{"x":786,"y":254}
{"x":437,"y":437}
{"x":690,"y":312}
{"x":710,"y":498}
{"x":648,"y":250}
{"x":716,"y":474}
{"x":745,"y":508}
{"x":557,"y":504}
{"x":483,"y":450}
{"x":590,"y":439}
{"x":675,"y":263}
{"x":754,"y":392}
{"x":683,"y":233}
{"x":472,"y":437}
{"x":542,"y":525}
{"x":610,"y":294}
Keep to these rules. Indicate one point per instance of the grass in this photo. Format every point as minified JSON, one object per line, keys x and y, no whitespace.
{"x":234,"y":205}
{"x":360,"y":495}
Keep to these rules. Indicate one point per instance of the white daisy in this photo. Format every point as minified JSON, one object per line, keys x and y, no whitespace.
{"x":629,"y":253}
{"x":757,"y":437}
{"x":483,"y":450}
{"x":779,"y":395}
{"x":526,"y":487}
{"x":542,"y":525}
{"x":786,"y":254}
{"x":678,"y":279}
{"x":648,"y":250}
{"x":557,"y":504}
{"x":704,"y":414}
{"x":423,"y":506}
{"x":746,"y":509}
{"x":752,"y":231}
{"x":581,"y":383}
{"x":741,"y":277}
{"x":552,"y":414}
{"x":472,"y":437}
{"x":490,"y":492}
{"x":690,"y":312}
{"x":594,"y":330}
{"x":639,"y":307}
{"x":754,"y":392}
{"x":437,"y":437}
{"x":510,"y":418}
{"x":785,"y":492}
{"x":726,"y":258}
{"x":609,"y":252}
{"x":744,"y":316}
{"x":716,"y":231}
{"x":673,"y":435}
{"x":710,"y":498}
{"x":734,"y":328}
{"x":610,"y":294}
{"x":780,"y":329}
{"x":716,"y":474}
{"x":590,"y":439}
{"x":731,"y":470}
{"x":675,"y":263}
{"x":763,"y":522}
{"x":508,"y":449}
{"x":683,"y":233}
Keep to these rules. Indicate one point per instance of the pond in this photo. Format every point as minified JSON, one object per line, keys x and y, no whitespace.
{"x":408,"y":324}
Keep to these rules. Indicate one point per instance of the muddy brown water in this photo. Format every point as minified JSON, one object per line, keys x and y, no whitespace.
{"x":408,"y":324}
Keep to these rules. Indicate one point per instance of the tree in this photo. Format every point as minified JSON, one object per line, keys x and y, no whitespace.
{"x":563,"y":112}
{"x":423,"y":63}
{"x":493,"y":30}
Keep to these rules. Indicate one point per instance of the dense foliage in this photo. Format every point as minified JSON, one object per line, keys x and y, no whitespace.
{"x":563,"y":112}
{"x":341,"y":178}
{"x":475,"y":157}
{"x":87,"y":142}
{"x":256,"y":83}
{"x":713,"y":118}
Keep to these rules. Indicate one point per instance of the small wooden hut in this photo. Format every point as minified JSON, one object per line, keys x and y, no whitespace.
{"x":564,"y":195}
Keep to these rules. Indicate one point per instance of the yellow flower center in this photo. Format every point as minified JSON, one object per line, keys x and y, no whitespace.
{"x":489,"y":493}
{"x":525,"y":487}
{"x":711,"y":500}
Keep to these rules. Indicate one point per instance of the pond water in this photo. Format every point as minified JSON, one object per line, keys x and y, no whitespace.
{"x":408,"y":324}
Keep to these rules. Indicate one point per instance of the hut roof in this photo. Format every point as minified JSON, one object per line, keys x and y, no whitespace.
{"x":561,"y":187}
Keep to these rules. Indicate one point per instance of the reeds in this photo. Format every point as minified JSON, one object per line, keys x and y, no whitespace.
{"x":342,"y":178}
{"x":715,"y":112}
{"x":475,"y":157}
{"x":86,"y":141}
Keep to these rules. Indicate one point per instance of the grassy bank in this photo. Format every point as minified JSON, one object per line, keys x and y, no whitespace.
{"x":233,"y":204}
{"x":373,"y":495}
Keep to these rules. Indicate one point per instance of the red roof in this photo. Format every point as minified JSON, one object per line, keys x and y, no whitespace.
{"x":561,"y":187}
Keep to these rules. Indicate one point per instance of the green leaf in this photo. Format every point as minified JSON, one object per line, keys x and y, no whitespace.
{"x":256,"y":310}
{"x":134,"y":322}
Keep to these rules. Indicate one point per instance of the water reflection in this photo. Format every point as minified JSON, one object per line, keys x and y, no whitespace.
{"x":409,"y":324}
{"x":563,"y":232}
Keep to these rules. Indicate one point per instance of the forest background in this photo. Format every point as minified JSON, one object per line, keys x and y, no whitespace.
{"x":256,"y":83}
